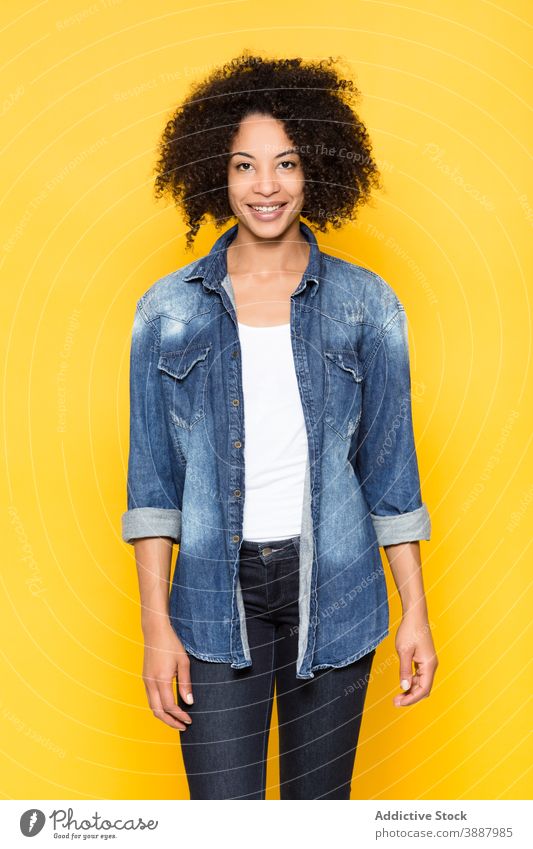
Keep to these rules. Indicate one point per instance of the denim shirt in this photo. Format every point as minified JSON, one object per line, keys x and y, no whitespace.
{"x":186,"y":459}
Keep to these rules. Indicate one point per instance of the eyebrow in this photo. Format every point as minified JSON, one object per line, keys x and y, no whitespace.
{"x":249,"y":155}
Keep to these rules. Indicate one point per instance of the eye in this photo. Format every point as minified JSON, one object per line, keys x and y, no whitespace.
{"x":246,"y":166}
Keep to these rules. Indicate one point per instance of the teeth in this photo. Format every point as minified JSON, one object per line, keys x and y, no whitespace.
{"x":266,"y":208}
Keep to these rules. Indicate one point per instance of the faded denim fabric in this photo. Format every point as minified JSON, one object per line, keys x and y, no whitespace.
{"x":186,"y":462}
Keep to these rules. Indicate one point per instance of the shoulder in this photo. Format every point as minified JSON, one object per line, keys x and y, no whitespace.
{"x":171,"y":295}
{"x":367,"y":297}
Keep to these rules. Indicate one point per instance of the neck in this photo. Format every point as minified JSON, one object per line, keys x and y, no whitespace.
{"x":249,"y":253}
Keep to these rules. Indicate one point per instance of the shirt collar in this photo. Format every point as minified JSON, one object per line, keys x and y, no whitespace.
{"x":212,"y":268}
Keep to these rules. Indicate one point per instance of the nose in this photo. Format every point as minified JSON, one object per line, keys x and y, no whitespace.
{"x":266,"y":185}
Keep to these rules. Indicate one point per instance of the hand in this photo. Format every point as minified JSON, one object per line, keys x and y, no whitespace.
{"x":165,"y":659}
{"x":414,"y":644}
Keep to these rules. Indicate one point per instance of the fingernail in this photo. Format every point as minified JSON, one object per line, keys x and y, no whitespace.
{"x":188,"y":721}
{"x":190,"y":699}
{"x":404,"y":684}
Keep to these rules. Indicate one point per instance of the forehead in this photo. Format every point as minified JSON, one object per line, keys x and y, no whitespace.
{"x":261,"y":133}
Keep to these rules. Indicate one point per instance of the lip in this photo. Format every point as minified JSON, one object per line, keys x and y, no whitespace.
{"x":267,"y":216}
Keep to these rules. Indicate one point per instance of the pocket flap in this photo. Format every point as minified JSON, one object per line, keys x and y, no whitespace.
{"x":179,"y":363}
{"x":347,"y":360}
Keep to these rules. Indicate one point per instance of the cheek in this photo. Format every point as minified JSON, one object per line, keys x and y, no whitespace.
{"x":232,"y":195}
{"x":236,"y":185}
{"x":295,"y":184}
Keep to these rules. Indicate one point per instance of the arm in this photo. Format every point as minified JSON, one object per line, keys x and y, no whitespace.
{"x":152,"y":523}
{"x":414,"y":642}
{"x":153,"y":557}
{"x":387,"y":467}
{"x":164,"y":655}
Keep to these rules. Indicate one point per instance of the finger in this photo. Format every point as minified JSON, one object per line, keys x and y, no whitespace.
{"x":415,"y":695}
{"x":406,"y":667}
{"x":160,"y":713}
{"x":420,"y":688}
{"x":183,"y":681}
{"x":168,"y":702}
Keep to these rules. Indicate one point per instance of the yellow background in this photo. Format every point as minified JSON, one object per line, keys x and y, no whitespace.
{"x":85,"y":92}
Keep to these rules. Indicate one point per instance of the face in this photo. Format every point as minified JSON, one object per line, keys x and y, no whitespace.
{"x":265,"y":179}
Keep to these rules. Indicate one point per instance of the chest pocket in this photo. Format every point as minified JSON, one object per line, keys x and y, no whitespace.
{"x":343,"y":392}
{"x":184,"y":376}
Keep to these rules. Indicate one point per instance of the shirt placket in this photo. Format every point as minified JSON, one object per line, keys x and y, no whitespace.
{"x":233,"y":395}
{"x":308,"y":601}
{"x":308,"y":605}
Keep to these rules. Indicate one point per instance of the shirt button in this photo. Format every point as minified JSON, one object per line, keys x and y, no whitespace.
{"x":235,"y":402}
{"x":235,"y":538}
{"x":236,"y":492}
{"x":234,"y":353}
{"x":237,"y":444}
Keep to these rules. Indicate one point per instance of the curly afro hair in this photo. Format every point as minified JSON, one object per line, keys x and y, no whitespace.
{"x":314,"y":101}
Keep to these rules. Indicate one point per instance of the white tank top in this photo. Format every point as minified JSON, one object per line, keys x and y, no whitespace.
{"x":275,"y":438}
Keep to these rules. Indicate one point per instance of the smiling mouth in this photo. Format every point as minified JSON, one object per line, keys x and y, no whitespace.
{"x":267,"y":207}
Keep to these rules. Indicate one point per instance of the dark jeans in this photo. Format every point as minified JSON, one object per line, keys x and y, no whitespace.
{"x":225,"y":748}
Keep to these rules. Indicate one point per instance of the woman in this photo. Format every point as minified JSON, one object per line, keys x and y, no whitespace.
{"x":271,"y":437}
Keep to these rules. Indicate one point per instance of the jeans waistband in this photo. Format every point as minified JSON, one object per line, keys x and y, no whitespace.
{"x":274,"y":544}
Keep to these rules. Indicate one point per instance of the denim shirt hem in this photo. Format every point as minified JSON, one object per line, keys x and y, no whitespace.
{"x":361,"y":653}
{"x":212,"y":658}
{"x":304,"y":674}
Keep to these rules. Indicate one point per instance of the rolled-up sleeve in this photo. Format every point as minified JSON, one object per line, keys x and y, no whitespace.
{"x":385,"y":460}
{"x":151,"y":492}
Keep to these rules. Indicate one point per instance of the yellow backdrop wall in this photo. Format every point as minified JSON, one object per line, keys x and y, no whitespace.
{"x":85,"y":92}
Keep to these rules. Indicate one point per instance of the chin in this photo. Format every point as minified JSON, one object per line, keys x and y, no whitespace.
{"x":268,"y":229}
